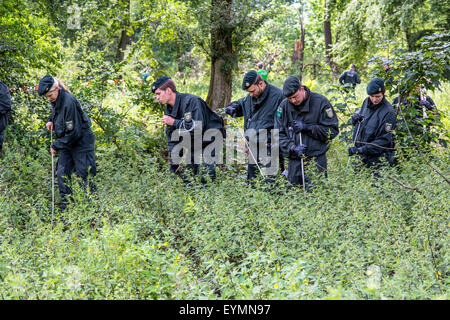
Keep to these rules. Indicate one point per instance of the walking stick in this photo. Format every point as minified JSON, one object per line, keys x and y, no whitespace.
{"x":354,"y":141}
{"x":53,"y":178}
{"x":303,"y":168}
{"x":251,"y":153}
{"x":424,"y":113}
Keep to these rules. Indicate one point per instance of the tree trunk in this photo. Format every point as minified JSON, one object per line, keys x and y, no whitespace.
{"x":124,"y":36}
{"x":222,"y":55}
{"x":329,"y":43}
{"x":123,"y":43}
{"x":220,"y":85}
{"x":299,"y":47}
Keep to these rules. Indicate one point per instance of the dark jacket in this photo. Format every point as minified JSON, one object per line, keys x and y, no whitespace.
{"x":5,"y":99}
{"x":187,"y":109}
{"x":259,"y":113}
{"x":376,"y":129}
{"x":349,"y":76}
{"x":317,"y":111}
{"x":71,"y":125}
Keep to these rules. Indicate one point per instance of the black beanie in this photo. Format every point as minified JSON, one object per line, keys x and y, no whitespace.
{"x":290,"y":86}
{"x":159,"y":82}
{"x":375,"y":85}
{"x":45,"y":84}
{"x":249,"y":79}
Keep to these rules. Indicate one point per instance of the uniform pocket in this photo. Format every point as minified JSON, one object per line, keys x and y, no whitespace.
{"x":369,"y":132}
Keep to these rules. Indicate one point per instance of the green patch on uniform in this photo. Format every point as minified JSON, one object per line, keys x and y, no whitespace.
{"x":388,"y":126}
{"x":329,"y":112}
{"x":69,"y":125}
{"x":187,"y":117}
{"x":279,"y":111}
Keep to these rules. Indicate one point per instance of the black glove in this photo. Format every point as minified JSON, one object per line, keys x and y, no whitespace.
{"x":299,"y":126}
{"x":357,"y":118}
{"x":298,"y":150}
{"x":426,"y":104}
{"x":354,"y":150}
{"x":231,"y":110}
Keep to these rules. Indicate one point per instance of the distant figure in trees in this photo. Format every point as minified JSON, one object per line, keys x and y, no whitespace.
{"x":145,"y":77}
{"x":261,"y":71}
{"x":388,"y":76}
{"x":307,"y":123}
{"x":258,"y":109}
{"x":349,"y":78}
{"x":5,"y":107}
{"x":420,"y":111}
{"x":374,"y":124}
{"x":189,"y":115}
{"x":74,"y":137}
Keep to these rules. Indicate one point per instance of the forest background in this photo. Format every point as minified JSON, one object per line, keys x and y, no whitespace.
{"x":145,"y":234}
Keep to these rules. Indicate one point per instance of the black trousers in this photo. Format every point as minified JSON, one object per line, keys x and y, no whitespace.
{"x":82,"y":163}
{"x":193,"y":168}
{"x":252,"y":168}
{"x":3,"y":124}
{"x":295,"y":170}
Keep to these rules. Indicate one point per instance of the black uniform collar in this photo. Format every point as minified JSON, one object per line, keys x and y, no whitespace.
{"x":263,"y":97}
{"x":173,"y":110}
{"x":60,"y":100}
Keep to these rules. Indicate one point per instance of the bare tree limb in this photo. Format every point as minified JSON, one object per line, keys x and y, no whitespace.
{"x":404,"y":185}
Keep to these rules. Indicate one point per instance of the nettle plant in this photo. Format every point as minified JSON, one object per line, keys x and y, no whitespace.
{"x":109,"y":100}
{"x":410,"y":76}
{"x":345,"y":104}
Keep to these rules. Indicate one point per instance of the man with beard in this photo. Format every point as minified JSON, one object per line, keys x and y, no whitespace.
{"x":258,"y":109}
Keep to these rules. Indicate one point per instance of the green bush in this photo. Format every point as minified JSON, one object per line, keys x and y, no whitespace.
{"x":146,"y":235}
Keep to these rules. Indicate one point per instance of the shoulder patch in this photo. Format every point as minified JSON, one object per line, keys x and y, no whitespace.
{"x":329,"y":112}
{"x":187,"y":116}
{"x":69,"y":125}
{"x":279,"y":111}
{"x":388,"y":126}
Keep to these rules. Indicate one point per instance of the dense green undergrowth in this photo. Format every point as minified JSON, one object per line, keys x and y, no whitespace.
{"x":146,"y":235}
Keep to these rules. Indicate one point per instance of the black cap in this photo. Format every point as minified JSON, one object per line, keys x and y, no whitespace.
{"x":45,"y":84}
{"x":375,"y":85}
{"x":159,"y":82}
{"x":352,"y":66}
{"x":249,"y":79}
{"x":290,"y":86}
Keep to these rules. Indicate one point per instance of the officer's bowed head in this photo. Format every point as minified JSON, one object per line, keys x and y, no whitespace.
{"x":159,"y":82}
{"x":45,"y":84}
{"x":291,"y":86}
{"x":250,"y":79}
{"x":376,"y":85}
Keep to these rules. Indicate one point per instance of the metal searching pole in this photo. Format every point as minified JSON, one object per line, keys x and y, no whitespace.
{"x":303,"y":168}
{"x":354,"y":141}
{"x":53,"y":178}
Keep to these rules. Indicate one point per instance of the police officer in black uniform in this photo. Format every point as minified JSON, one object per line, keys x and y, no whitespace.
{"x":350,"y":77}
{"x":74,"y":137}
{"x":374,"y":124}
{"x":422,"y":103}
{"x":307,"y":122}
{"x":189,"y":114}
{"x":5,"y":107}
{"x":258,"y":109}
